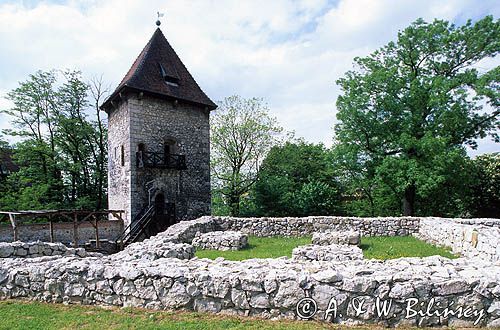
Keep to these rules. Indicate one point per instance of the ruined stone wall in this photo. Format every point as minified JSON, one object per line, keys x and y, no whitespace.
{"x":288,"y":226}
{"x":469,"y":238}
{"x":63,"y":232}
{"x":416,"y":291}
{"x":40,"y":249}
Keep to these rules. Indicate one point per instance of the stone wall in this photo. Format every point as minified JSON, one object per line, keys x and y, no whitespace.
{"x":40,"y":249}
{"x":119,"y":185}
{"x":148,"y":275}
{"x":269,"y":288}
{"x":389,"y":226}
{"x":469,"y":238}
{"x":153,"y":122}
{"x":63,"y":232}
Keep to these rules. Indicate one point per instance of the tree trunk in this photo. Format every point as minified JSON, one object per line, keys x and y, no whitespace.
{"x":409,"y":200}
{"x":234,"y":201}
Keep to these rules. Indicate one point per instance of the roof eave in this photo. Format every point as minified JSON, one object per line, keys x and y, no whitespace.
{"x":125,"y":88}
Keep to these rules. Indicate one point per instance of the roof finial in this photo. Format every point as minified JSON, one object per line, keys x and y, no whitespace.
{"x":158,"y":21}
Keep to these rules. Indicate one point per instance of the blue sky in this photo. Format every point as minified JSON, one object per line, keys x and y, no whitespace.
{"x":288,"y":52}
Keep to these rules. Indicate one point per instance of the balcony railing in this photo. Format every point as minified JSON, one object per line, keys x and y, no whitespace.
{"x":152,"y":159}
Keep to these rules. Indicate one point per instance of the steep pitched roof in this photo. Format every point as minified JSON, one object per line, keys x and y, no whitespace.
{"x":159,"y":71}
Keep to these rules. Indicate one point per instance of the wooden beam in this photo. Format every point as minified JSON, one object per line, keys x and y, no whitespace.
{"x":97,"y":243}
{"x":13,"y":222}
{"x":75,"y":230}
{"x":51,"y":230}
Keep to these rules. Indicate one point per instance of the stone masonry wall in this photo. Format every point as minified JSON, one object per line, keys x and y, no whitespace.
{"x":63,"y":232}
{"x":40,"y":249}
{"x":390,"y":226}
{"x":119,"y":184}
{"x":152,"y":122}
{"x":468,"y":238}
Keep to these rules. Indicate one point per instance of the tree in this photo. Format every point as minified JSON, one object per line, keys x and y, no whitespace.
{"x":485,"y":191}
{"x":242,"y":132}
{"x":297,"y":179}
{"x":409,"y":108}
{"x":62,"y":154}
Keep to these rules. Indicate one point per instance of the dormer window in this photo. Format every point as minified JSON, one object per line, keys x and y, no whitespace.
{"x":169,"y":80}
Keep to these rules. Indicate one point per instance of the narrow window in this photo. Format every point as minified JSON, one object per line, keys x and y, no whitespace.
{"x":122,"y":155}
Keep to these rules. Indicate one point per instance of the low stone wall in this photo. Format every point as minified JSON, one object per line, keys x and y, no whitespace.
{"x":467,"y":238}
{"x":39,"y":249}
{"x":221,"y":240}
{"x":63,"y":232}
{"x":336,"y":237}
{"x":401,"y":226}
{"x":327,"y":252}
{"x":269,"y":288}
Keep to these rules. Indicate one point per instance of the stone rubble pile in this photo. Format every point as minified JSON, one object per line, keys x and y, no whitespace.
{"x":349,"y":237}
{"x":185,"y":231}
{"x":151,"y":250}
{"x":39,"y":249}
{"x":333,"y":252}
{"x":220,"y":240}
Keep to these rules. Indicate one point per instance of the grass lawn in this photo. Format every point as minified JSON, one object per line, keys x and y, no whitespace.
{"x":35,"y":315}
{"x":382,"y":247}
{"x":259,"y":247}
{"x":392,"y":247}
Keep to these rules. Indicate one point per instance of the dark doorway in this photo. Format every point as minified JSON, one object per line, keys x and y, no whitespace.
{"x":160,"y":220}
{"x":164,"y":215}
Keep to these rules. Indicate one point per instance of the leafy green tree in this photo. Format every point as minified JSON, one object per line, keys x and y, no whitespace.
{"x":297,"y":179}
{"x":242,"y":132}
{"x":485,"y":188}
{"x":62,"y":154}
{"x":408,"y":109}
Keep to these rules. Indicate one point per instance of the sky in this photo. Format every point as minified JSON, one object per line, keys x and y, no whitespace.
{"x":290,"y":53}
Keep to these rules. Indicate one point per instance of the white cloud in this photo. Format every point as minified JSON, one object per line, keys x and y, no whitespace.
{"x":289,"y":52}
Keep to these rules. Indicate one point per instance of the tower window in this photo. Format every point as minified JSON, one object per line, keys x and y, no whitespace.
{"x":122,"y":155}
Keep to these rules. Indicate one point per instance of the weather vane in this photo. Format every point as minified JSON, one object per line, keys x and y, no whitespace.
{"x":159,"y":16}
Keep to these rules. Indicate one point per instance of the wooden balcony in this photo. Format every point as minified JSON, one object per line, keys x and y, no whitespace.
{"x":150,"y":159}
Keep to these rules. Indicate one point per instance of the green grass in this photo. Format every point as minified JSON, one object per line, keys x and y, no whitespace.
{"x":392,"y":247}
{"x":35,"y":315}
{"x":259,"y":247}
{"x":381,"y":247}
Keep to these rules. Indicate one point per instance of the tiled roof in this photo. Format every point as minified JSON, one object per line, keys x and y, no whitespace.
{"x":159,"y":71}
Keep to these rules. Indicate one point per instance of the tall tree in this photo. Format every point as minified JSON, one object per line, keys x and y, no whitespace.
{"x":62,"y":154}
{"x":410,"y":107}
{"x":242,"y":133}
{"x":297,"y":179}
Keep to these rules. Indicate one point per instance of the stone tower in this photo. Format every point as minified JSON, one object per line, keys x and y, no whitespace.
{"x":158,"y":140}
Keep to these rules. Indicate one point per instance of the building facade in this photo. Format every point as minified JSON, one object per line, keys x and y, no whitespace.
{"x":159,"y":140}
